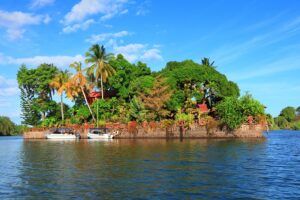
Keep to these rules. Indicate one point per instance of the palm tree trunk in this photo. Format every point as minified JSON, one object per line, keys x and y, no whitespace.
{"x":87,"y":103}
{"x":97,"y":108}
{"x":102,"y":87}
{"x":62,"y":107}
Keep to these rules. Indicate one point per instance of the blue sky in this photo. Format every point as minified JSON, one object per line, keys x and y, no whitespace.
{"x":255,"y":43}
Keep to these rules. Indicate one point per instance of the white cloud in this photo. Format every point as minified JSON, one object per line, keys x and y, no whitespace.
{"x":8,"y":87}
{"x":14,"y":34}
{"x":152,"y":54}
{"x":15,"y":22}
{"x":41,"y":3}
{"x":85,"y":8}
{"x":134,"y":52}
{"x":130,"y":51}
{"x":106,"y":36}
{"x":60,"y":61}
{"x":79,"y":26}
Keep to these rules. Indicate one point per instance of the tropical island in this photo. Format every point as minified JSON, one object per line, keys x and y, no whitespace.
{"x":110,"y":91}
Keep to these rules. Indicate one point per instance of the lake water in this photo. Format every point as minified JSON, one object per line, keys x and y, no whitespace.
{"x":151,"y":169}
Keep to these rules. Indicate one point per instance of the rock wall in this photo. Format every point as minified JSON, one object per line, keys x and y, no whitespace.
{"x":196,"y":131}
{"x":34,"y":135}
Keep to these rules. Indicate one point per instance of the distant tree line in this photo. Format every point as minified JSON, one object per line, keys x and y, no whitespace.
{"x":8,"y":128}
{"x":289,"y":118}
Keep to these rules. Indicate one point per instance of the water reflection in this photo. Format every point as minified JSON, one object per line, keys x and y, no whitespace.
{"x":148,"y":169}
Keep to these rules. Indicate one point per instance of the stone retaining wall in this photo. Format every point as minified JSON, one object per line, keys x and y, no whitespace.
{"x":196,"y":131}
{"x":34,"y":135}
{"x":245,"y":131}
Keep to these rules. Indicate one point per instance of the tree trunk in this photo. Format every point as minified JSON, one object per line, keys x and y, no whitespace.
{"x":62,"y":107}
{"x":102,"y":87}
{"x":87,"y":103}
{"x":97,"y":106}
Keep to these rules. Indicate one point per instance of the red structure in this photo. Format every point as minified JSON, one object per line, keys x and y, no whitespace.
{"x":203,"y":107}
{"x":97,"y":95}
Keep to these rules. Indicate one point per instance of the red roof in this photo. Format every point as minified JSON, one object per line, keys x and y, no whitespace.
{"x":92,"y":96}
{"x":203,"y":107}
{"x":95,"y":94}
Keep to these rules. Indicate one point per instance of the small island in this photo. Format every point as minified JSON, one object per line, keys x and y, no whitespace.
{"x":183,"y":100}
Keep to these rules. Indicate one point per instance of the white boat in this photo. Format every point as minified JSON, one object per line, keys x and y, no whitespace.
{"x":100,"y":133}
{"x":61,"y":134}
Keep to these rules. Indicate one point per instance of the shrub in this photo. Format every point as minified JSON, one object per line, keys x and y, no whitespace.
{"x":166,"y":123}
{"x":230,"y":112}
{"x":187,"y":119}
{"x":251,"y":107}
{"x":83,"y":113}
{"x":49,"y":122}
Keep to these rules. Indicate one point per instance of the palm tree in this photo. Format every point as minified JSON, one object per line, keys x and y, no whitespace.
{"x":59,"y":83}
{"x":77,"y":84}
{"x":100,"y":67}
{"x":205,"y":61}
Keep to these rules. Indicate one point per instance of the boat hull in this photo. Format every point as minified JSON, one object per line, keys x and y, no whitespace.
{"x":61,"y":136}
{"x":100,"y":136}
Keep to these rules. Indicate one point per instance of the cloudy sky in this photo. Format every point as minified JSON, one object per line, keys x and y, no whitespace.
{"x":255,"y":43}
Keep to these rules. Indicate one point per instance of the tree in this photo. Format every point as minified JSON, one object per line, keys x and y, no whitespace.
{"x":155,"y":100}
{"x":187,"y":77}
{"x":27,"y":87}
{"x":281,"y":122}
{"x":44,"y":74}
{"x":137,"y":110}
{"x":100,"y":67}
{"x":126,"y":75}
{"x":36,"y":93}
{"x":77,"y":83}
{"x":289,"y":113}
{"x":60,"y":84}
{"x":205,"y":61}
{"x":7,"y":127}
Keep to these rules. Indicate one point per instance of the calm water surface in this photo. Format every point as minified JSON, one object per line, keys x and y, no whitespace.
{"x":151,"y":169}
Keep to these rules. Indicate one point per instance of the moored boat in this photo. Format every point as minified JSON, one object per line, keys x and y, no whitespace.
{"x":100,"y":133}
{"x":61,"y":133}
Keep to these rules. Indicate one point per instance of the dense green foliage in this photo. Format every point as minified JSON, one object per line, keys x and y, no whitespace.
{"x":8,"y":128}
{"x":36,"y":93}
{"x":251,"y":107}
{"x":234,"y":111}
{"x":289,"y":113}
{"x":289,"y":118}
{"x":131,"y":92}
{"x":230,"y":112}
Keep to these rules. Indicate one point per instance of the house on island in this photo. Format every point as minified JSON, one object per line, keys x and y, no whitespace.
{"x":92,"y":96}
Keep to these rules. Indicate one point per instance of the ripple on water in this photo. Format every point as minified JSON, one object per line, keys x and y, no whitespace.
{"x":152,"y":169}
